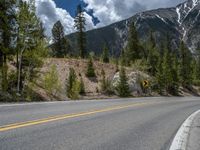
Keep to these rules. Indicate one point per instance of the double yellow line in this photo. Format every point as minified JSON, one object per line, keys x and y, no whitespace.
{"x":67,"y":116}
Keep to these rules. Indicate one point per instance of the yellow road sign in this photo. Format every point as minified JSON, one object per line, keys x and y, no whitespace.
{"x":145,"y":83}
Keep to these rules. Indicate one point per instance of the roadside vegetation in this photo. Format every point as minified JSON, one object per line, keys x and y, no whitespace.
{"x":24,"y":50}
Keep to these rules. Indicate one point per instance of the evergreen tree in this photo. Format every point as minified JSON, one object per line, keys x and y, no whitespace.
{"x":198,"y":65}
{"x":103,"y":81}
{"x":70,"y":82}
{"x":80,"y":27}
{"x":82,"y":87}
{"x":167,"y":70}
{"x":185,"y":65}
{"x":160,"y":76}
{"x":75,"y":90}
{"x":31,"y":46}
{"x":61,"y":45}
{"x":153,"y":55}
{"x":123,"y":59}
{"x":90,"y":69}
{"x":105,"y":55}
{"x":116,"y":65}
{"x":152,"y":41}
{"x":175,"y":76}
{"x":7,"y":24}
{"x":194,"y":67}
{"x":123,"y":87}
{"x":133,"y":49}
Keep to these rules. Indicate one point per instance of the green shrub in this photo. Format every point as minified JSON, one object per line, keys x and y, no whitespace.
{"x":74,"y":94}
{"x":106,"y":87}
{"x":196,"y":82}
{"x":90,"y":69}
{"x":51,"y":81}
{"x":123,"y":87}
{"x":70,"y":81}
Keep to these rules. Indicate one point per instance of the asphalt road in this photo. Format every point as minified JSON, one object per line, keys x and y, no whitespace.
{"x":126,"y":124}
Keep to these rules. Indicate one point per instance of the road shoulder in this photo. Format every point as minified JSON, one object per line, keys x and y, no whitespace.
{"x":194,"y":136}
{"x":184,"y":134}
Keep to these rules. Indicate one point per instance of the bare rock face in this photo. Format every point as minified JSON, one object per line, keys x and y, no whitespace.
{"x":135,"y":80}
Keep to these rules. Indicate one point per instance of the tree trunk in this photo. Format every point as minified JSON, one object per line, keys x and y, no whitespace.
{"x":1,"y":69}
{"x":4,"y":74}
{"x":19,"y":78}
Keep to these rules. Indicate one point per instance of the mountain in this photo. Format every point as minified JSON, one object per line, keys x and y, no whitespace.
{"x":181,"y":23}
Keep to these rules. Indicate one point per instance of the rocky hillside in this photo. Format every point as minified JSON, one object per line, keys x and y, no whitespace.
{"x":181,"y":23}
{"x":92,"y":87}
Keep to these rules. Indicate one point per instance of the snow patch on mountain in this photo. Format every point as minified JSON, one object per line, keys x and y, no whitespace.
{"x":194,"y":3}
{"x":179,"y":15}
{"x":196,"y":18}
{"x":161,"y":18}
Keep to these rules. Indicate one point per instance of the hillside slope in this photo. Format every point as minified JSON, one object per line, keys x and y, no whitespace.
{"x":92,"y":87}
{"x":63,"y":65}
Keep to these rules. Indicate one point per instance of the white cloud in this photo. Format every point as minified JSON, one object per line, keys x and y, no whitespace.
{"x":109,"y":11}
{"x":49,"y":14}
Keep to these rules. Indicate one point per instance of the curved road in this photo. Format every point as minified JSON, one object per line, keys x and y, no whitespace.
{"x":124,"y":124}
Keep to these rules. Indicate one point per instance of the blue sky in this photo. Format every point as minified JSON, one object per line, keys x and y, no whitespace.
{"x":69,"y":5}
{"x":98,"y":13}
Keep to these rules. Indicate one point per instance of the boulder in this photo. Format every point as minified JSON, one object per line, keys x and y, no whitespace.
{"x":135,"y":80}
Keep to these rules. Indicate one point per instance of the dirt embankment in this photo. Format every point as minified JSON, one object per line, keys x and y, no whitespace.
{"x":63,"y":65}
{"x":92,"y":87}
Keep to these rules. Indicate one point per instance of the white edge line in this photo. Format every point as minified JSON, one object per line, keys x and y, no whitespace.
{"x":181,"y":138}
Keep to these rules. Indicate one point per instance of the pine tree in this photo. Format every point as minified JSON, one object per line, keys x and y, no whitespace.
{"x":194,"y":67}
{"x":153,"y":55}
{"x":80,"y":27}
{"x":175,"y":76}
{"x":123,"y":87}
{"x":123,"y":59}
{"x":7,"y":24}
{"x":103,"y":81}
{"x":167,"y":71}
{"x":160,"y":76}
{"x":133,"y":50}
{"x":61,"y":44}
{"x":70,"y":82}
{"x":116,"y":65}
{"x":82,"y":87}
{"x":185,"y":65}
{"x":152,"y":60}
{"x":75,"y":90}
{"x":152,"y":41}
{"x":90,"y":69}
{"x":198,"y":65}
{"x":105,"y":55}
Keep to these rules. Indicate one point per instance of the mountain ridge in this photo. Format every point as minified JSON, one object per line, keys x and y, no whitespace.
{"x":180,"y":22}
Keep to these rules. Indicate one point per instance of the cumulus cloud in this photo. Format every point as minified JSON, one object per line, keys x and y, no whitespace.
{"x":49,"y":14}
{"x":109,"y":11}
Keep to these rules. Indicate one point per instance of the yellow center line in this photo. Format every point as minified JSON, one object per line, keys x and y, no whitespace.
{"x":67,"y":116}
